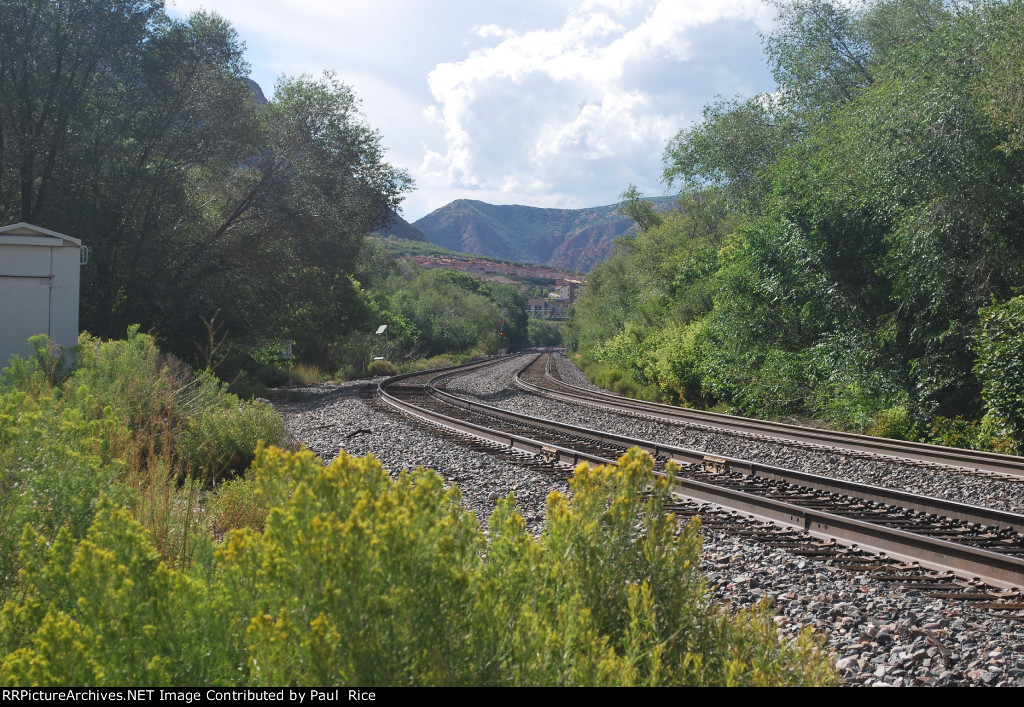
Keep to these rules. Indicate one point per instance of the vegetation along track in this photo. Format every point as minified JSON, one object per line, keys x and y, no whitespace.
{"x":818,"y":514}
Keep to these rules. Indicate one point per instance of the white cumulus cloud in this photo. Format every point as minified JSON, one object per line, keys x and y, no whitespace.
{"x":563,"y":114}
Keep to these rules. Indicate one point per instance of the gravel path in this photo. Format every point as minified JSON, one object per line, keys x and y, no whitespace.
{"x":879,"y":636}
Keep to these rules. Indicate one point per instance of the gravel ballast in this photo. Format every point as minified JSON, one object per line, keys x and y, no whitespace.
{"x":492,"y":388}
{"x":880,"y":636}
{"x":331,"y":418}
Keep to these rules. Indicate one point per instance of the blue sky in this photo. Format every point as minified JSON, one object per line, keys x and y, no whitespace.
{"x":556,"y":103}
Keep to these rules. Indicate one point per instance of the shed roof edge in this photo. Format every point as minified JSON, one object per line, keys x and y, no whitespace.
{"x":22,"y":229}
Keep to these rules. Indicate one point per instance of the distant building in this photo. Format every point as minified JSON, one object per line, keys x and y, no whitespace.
{"x":569,"y":289}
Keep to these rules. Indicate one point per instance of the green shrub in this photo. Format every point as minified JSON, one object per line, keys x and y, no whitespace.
{"x":953,"y":432}
{"x":361,"y":579}
{"x":990,"y":434}
{"x":134,"y":379}
{"x":779,"y":387}
{"x":382,"y":368}
{"x":130,"y":423}
{"x":893,"y":423}
{"x":105,"y":611}
{"x":235,"y":506}
{"x":651,"y":393}
{"x":606,"y":377}
{"x":223,"y":438}
{"x":993,"y":435}
{"x":626,"y":388}
{"x":660,"y":365}
{"x":48,"y":362}
{"x":676,"y":361}
{"x":1000,"y":366}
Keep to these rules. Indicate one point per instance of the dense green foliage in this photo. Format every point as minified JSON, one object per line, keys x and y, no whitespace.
{"x":138,"y":134}
{"x":544,"y":332}
{"x":1001,"y":362}
{"x":435,"y":311}
{"x":355,"y":578}
{"x":129,"y":423}
{"x":844,"y":248}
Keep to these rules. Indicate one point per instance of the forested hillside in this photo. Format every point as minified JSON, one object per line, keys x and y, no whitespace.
{"x":849,"y":247}
{"x":217,"y":219}
{"x":145,"y":141}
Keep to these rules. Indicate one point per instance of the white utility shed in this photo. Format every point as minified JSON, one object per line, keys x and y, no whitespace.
{"x":39,"y":282}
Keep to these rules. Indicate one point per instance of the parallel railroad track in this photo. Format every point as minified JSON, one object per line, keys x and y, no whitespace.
{"x":977,"y":555}
{"x":545,"y":382}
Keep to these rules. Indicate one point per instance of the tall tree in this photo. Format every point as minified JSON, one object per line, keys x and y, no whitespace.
{"x":1000,"y":89}
{"x":819,"y":53}
{"x":733,"y":147}
{"x":140,"y":135}
{"x":172,"y":134}
{"x":53,"y":57}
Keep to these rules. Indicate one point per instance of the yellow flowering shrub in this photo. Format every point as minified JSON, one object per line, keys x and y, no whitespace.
{"x":54,"y":460}
{"x":106,"y":610}
{"x":361,"y":579}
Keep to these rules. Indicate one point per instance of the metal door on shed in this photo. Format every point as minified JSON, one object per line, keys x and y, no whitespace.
{"x":24,"y":297}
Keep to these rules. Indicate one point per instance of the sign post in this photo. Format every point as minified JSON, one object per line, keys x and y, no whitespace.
{"x":383,"y":329}
{"x":286,"y":354}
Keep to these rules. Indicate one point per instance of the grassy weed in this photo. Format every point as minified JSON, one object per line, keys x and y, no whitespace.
{"x":128,"y":422}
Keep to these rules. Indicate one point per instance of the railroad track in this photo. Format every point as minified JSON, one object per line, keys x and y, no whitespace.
{"x":942,"y":548}
{"x":545,"y":382}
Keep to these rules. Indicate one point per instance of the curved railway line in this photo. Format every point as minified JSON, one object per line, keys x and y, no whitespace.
{"x":946,"y":549}
{"x":889,"y":621}
{"x":985,"y":464}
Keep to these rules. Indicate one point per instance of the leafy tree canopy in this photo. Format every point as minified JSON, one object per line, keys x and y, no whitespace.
{"x":873,"y":209}
{"x":140,"y":135}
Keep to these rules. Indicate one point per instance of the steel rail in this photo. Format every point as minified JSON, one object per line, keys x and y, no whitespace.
{"x":525,"y":444}
{"x":981,"y":462}
{"x":994,"y":568}
{"x":1004,"y":571}
{"x":681,"y":455}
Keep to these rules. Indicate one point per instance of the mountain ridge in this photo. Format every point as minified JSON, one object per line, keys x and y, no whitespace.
{"x":570,"y":238}
{"x":398,"y":227}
